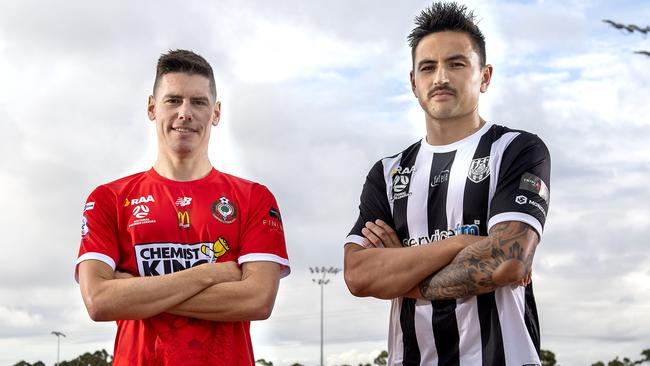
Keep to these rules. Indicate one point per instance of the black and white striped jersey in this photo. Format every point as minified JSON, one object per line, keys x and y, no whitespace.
{"x":430,"y":193}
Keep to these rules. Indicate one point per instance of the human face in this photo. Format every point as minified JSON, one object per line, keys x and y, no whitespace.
{"x":184,"y":110}
{"x":447,"y":76}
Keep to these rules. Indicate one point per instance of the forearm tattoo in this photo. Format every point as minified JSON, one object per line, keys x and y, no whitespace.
{"x":471,"y":272}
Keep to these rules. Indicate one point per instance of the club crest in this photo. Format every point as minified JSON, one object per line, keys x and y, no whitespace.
{"x":479,"y":169}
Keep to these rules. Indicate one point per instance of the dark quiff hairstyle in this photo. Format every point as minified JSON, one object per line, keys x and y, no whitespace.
{"x":441,"y":17}
{"x":186,"y":62}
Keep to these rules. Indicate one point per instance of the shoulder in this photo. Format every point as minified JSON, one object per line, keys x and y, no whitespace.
{"x":117,"y":186}
{"x":518,"y":141}
{"x":252,"y":188}
{"x":388,"y":163}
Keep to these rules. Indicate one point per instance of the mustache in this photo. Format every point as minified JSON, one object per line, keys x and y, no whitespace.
{"x":446,"y":88}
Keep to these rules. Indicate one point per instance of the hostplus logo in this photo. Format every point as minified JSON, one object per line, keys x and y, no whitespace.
{"x":443,"y":234}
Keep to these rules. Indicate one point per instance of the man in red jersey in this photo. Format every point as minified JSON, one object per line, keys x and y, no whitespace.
{"x":181,"y":256}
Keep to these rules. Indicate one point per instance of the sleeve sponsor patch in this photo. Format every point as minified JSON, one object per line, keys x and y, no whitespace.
{"x":532,"y":183}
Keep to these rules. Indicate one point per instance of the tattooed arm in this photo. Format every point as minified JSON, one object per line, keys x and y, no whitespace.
{"x":504,"y":257}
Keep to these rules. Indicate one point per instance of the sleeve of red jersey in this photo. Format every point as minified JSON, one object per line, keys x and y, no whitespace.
{"x":98,"y":230}
{"x":262,"y":237}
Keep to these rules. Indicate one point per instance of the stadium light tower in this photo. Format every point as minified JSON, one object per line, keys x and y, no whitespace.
{"x":322,"y":280}
{"x":58,"y":344}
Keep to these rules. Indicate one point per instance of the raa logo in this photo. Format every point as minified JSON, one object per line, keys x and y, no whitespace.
{"x":216,"y":250}
{"x":137,"y":201}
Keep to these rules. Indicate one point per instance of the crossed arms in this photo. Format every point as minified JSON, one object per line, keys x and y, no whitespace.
{"x":211,"y":291}
{"x":456,"y":267}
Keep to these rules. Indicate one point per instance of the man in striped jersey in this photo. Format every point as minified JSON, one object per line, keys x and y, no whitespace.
{"x":448,"y":228}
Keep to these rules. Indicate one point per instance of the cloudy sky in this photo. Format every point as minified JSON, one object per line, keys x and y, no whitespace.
{"x":313,"y":93}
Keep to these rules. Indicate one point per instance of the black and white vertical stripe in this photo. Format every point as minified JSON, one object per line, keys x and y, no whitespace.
{"x":427,"y":203}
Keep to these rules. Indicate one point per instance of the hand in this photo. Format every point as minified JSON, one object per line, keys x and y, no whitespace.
{"x":119,"y":275}
{"x":379,"y":234}
{"x":526,"y":280}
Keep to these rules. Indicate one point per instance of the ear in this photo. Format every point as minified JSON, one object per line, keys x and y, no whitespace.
{"x":216,"y":114}
{"x":151,"y":108}
{"x":412,"y":80}
{"x":486,"y":77}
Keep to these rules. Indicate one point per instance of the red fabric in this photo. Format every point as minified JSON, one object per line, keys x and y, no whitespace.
{"x":147,"y":225}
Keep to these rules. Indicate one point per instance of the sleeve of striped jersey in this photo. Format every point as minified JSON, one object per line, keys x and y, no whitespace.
{"x":99,"y":239}
{"x":523,"y":188}
{"x":373,"y":203}
{"x":262,"y":236}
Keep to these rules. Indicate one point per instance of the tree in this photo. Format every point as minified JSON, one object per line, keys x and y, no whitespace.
{"x":97,"y":358}
{"x":547,"y":358}
{"x":626,"y":361}
{"x":25,"y":363}
{"x":264,"y":362}
{"x":630,"y":28}
{"x":382,"y":359}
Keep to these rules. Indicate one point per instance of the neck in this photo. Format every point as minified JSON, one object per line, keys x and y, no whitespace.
{"x":449,"y":130}
{"x":182,"y":168}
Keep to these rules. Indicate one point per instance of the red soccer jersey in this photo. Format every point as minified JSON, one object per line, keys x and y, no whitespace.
{"x":147,"y":225}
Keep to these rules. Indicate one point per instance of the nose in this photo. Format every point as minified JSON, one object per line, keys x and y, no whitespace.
{"x":442,"y":76}
{"x":185,"y":111}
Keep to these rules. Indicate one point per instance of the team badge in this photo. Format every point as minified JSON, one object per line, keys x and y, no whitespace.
{"x":479,"y":169}
{"x":224,"y":211}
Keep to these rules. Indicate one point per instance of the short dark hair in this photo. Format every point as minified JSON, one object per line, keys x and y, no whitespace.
{"x":186,"y":62}
{"x":441,"y":17}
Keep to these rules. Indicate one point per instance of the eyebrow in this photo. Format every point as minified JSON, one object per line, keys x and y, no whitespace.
{"x":194,"y":99}
{"x":454,"y":57}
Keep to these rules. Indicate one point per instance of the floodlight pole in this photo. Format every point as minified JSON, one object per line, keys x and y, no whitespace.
{"x":58,"y":344}
{"x":322,"y":282}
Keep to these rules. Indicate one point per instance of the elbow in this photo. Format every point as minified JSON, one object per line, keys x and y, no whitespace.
{"x":509,"y":272}
{"x":355,"y":286}
{"x":96,"y":311}
{"x":262,"y":308}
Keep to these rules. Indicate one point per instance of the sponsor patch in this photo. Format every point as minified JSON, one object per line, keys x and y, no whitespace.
{"x":443,"y":234}
{"x":89,"y":206}
{"x":274,"y":221}
{"x":163,"y":258}
{"x":532,"y":183}
{"x":224,"y":211}
{"x":522,"y":200}
{"x":137,"y":201}
{"x":401,"y":178}
{"x":440,"y":178}
{"x":183,"y":219}
{"x":479,"y":169}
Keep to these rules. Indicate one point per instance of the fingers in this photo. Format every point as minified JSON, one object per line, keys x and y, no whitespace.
{"x":378,"y":234}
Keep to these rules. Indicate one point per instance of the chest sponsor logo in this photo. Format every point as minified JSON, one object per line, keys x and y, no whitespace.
{"x":183,"y":219}
{"x":401,"y":177}
{"x":522,"y":200}
{"x":224,"y":210}
{"x":532,"y":183}
{"x":183,"y":201}
{"x":479,"y":169}
{"x":440,"y":178}
{"x":443,"y":234}
{"x":164,"y":258}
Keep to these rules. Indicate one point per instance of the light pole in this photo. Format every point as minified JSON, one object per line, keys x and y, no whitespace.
{"x":58,"y":344}
{"x":322,"y":281}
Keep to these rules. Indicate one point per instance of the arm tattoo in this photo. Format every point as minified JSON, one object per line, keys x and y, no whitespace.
{"x":471,"y":272}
